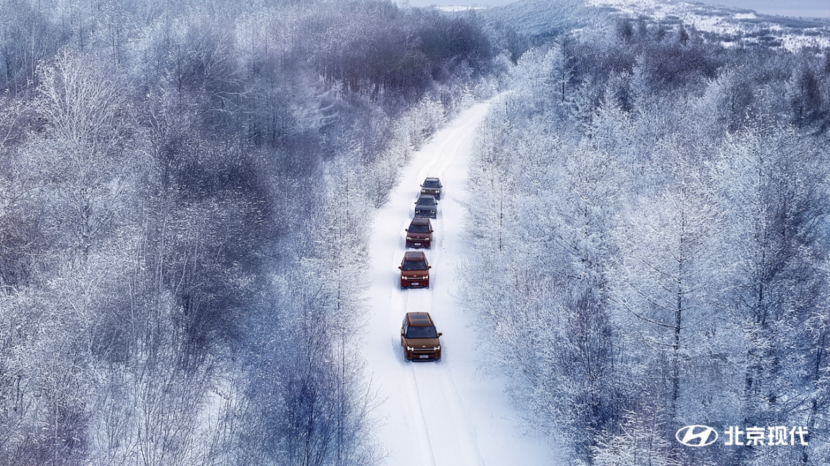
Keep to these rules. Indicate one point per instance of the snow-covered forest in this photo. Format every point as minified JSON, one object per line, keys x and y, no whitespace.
{"x":185,"y":189}
{"x":187,"y":197}
{"x":651,"y":221}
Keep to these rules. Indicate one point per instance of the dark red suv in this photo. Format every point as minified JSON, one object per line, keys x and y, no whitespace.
{"x":414,"y":270}
{"x":419,"y":337}
{"x":419,"y":233}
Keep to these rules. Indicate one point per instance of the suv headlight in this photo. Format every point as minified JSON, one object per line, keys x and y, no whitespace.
{"x":409,"y":238}
{"x":437,"y":348}
{"x":409,"y":348}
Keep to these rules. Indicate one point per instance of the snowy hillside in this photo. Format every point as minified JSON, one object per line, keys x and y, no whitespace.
{"x":730,"y":26}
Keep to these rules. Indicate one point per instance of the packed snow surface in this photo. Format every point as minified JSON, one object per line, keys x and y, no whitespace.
{"x":451,"y":412}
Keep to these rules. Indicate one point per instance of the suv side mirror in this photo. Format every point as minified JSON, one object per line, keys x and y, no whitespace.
{"x":429,"y":266}
{"x":406,"y":229}
{"x":400,"y":267}
{"x":439,"y":334}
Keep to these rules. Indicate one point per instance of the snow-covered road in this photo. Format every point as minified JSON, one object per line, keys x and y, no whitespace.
{"x":447,"y":413}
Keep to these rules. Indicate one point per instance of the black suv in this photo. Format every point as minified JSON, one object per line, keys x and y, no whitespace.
{"x":426,"y":206}
{"x":432,"y":186}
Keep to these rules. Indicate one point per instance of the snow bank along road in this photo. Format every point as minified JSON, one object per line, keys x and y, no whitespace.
{"x":447,"y":412}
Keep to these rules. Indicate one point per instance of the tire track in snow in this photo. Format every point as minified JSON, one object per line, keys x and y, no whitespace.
{"x":421,"y":382}
{"x":417,"y":414}
{"x":446,"y":417}
{"x":450,"y":410}
{"x":435,"y":414}
{"x":467,"y":429}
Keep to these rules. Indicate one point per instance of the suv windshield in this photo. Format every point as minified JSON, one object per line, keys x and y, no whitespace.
{"x":421,"y":332}
{"x":426,"y":201}
{"x":414,"y":265}
{"x":419,"y":228}
{"x":431,"y":184}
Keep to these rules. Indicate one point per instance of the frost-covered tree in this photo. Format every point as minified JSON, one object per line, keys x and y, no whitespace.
{"x":177,"y":178}
{"x":664,"y":245}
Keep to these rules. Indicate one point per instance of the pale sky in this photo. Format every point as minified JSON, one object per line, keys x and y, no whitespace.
{"x":805,"y":8}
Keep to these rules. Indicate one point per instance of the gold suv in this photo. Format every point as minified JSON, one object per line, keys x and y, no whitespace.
{"x":419,"y":338}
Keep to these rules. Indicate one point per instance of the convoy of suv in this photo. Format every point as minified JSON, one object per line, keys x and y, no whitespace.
{"x":419,"y":338}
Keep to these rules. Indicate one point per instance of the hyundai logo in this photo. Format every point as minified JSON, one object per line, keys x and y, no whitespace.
{"x":696,"y":436}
